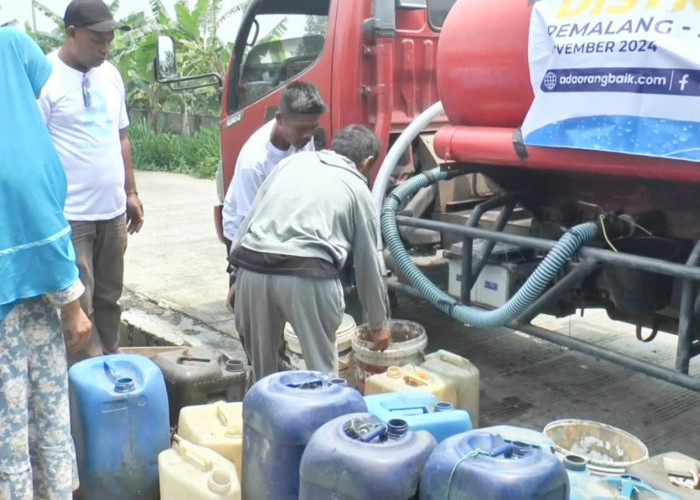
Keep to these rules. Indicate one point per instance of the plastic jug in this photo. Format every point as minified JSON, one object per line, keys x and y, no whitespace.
{"x":588,"y":486}
{"x":477,"y":465}
{"x":119,"y":422}
{"x":458,"y":372}
{"x":280,"y":413}
{"x":410,"y":378}
{"x":422,"y":411}
{"x":660,"y":469}
{"x":217,"y":426}
{"x":357,"y":456}
{"x":191,"y":472}
{"x":199,"y":375}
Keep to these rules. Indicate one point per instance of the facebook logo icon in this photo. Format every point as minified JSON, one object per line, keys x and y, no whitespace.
{"x":685,"y":82}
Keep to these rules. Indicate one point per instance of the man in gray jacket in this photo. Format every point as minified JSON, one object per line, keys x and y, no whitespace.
{"x":311,"y":213}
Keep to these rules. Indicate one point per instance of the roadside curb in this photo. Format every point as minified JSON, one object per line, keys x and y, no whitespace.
{"x":149,"y":323}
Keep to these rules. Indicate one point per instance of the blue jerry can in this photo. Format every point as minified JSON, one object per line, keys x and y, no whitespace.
{"x":359,"y":457}
{"x":280,"y":413}
{"x":422,"y":411}
{"x":477,"y":465}
{"x":119,"y":421}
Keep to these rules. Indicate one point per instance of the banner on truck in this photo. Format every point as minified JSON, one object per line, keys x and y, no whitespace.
{"x":616,"y":75}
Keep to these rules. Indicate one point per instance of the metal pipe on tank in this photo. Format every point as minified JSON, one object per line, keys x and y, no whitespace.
{"x":499,"y":146}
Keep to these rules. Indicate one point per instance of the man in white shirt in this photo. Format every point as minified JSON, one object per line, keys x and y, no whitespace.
{"x":290,"y":131}
{"x":85,"y":109}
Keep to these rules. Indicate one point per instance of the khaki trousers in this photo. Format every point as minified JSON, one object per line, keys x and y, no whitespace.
{"x":100,"y":247}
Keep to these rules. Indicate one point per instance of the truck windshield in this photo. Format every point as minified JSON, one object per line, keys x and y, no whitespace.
{"x":286,"y":45}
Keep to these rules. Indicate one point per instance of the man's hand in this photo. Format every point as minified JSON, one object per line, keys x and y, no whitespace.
{"x":75,"y":321}
{"x":381,"y":339}
{"x":134,"y":213}
{"x":231,"y":299}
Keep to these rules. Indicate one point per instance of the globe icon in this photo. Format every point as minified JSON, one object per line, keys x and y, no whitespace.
{"x":550,"y":80}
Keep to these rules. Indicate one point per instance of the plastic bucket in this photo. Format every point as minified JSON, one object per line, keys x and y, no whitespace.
{"x":408,"y":343}
{"x":636,"y":291}
{"x":293,"y":358}
{"x":604,"y":447}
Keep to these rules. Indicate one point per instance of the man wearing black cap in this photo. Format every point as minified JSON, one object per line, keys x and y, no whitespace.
{"x":85,"y":109}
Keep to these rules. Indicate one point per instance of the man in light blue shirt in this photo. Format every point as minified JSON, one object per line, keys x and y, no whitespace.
{"x":38,"y":275}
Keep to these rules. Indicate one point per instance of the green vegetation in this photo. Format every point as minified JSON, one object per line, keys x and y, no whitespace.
{"x":196,"y":154}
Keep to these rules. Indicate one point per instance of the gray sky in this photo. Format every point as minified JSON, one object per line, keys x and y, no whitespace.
{"x":21,"y":10}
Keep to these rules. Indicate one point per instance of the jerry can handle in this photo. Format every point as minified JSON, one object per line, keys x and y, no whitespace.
{"x":414,"y":380}
{"x":628,"y":488}
{"x":185,"y":449}
{"x":453,"y":359}
{"x":221,"y":413}
{"x":121,"y":383}
{"x":111,"y":371}
{"x":374,"y":433}
{"x":310,"y":383}
{"x":192,"y":359}
{"x":504,"y":449}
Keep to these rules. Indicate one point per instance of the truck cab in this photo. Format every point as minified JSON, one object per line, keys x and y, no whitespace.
{"x":373,"y":61}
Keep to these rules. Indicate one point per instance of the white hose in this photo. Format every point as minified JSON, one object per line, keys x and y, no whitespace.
{"x":402,"y":143}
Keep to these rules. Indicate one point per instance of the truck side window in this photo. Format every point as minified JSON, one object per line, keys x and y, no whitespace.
{"x":437,"y":12}
{"x":287,"y":46}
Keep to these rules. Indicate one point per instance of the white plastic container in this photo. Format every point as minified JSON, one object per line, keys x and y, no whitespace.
{"x":217,"y":426}
{"x":190,"y":472}
{"x":507,"y":269}
{"x":409,"y":378}
{"x":343,"y":341}
{"x":459,"y":373}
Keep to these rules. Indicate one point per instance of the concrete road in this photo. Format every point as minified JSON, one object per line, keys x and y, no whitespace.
{"x":176,"y":259}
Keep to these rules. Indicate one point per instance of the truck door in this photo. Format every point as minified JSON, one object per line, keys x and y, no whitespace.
{"x":279,"y":41}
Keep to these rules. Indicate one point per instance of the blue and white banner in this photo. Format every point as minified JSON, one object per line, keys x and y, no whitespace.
{"x":616,"y":75}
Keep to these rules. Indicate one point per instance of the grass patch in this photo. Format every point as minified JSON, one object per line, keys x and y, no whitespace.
{"x":197,"y":155}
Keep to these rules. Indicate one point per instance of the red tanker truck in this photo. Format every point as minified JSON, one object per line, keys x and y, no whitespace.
{"x":554,"y":146}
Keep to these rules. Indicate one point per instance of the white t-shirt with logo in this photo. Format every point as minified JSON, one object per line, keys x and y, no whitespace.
{"x":256,"y":161}
{"x":84,"y":113}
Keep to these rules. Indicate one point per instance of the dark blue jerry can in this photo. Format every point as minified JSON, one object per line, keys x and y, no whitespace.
{"x":358,"y":456}
{"x":280,"y":413}
{"x":477,"y":464}
{"x":119,"y":421}
{"x":422,"y":411}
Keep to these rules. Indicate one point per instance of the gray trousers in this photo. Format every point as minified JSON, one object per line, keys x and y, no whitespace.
{"x":100,"y":247}
{"x":314,"y":308}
